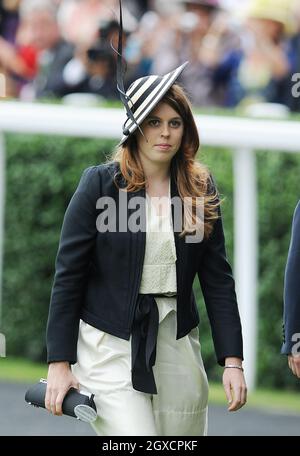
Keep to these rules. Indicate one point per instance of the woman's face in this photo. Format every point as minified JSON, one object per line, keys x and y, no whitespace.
{"x":163,"y":129}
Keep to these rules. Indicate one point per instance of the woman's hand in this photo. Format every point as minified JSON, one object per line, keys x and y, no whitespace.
{"x":60,"y":379}
{"x":234,"y":385}
{"x":294,"y":364}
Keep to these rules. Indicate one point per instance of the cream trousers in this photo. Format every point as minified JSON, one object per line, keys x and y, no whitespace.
{"x":180,"y":406}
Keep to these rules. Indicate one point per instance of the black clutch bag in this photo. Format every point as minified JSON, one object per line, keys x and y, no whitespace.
{"x":77,"y":404}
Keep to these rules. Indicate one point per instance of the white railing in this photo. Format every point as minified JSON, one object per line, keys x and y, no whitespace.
{"x":244,"y":136}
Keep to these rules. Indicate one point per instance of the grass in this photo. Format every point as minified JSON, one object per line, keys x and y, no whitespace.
{"x":20,"y":370}
{"x":280,"y":401}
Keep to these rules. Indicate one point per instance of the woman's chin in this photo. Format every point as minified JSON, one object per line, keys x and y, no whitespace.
{"x":163,"y":159}
{"x":162,"y":155}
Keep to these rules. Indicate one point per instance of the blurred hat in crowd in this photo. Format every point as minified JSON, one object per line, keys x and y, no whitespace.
{"x":276,"y":10}
{"x":109,"y":26}
{"x":214,"y":4}
{"x":100,"y":52}
{"x":166,"y":7}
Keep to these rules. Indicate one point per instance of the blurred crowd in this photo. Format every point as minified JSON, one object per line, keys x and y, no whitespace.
{"x":239,"y":52}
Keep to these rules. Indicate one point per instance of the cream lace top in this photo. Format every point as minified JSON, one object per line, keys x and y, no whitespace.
{"x":159,"y":269}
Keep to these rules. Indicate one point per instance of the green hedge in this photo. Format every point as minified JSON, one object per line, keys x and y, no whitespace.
{"x":42,"y":174}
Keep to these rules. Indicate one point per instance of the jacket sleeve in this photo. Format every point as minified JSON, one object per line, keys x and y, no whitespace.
{"x":291,"y":312}
{"x":77,"y":240}
{"x":218,"y":288}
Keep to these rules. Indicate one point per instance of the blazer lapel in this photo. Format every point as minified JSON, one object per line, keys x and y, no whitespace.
{"x":137,"y":242}
{"x":179,"y":242}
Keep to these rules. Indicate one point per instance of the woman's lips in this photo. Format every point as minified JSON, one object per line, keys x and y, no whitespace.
{"x":163,"y":146}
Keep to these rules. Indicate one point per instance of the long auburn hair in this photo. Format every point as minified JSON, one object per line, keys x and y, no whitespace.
{"x":193,"y":178}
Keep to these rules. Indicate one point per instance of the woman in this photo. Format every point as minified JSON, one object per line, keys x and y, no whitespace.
{"x":123,"y":321}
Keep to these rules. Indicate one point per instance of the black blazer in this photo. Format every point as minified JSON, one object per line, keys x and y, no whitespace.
{"x":98,"y":275}
{"x":291,"y":314}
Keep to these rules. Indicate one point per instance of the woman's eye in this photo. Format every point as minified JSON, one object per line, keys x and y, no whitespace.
{"x":173,"y":123}
{"x":176,"y":123}
{"x":153,"y":122}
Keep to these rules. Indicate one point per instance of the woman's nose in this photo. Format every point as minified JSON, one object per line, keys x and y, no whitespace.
{"x":165,"y":130}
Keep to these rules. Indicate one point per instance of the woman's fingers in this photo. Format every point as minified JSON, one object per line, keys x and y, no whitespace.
{"x":52,"y":403}
{"x":297,"y":366}
{"x":228,"y":392}
{"x":75,"y":384}
{"x":54,"y":399}
{"x":240,"y":395}
{"x":236,"y":403}
{"x":294,"y":365}
{"x":244,"y":395}
{"x":48,"y":399}
{"x":58,"y":402}
{"x":235,"y":390}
